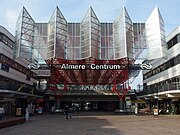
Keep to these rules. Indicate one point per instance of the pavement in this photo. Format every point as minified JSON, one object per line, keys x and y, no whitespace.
{"x":97,"y":123}
{"x":11,"y":120}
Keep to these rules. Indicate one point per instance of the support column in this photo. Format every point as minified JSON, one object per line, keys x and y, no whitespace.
{"x":58,"y":103}
{"x":39,"y":83}
{"x":121,"y":105}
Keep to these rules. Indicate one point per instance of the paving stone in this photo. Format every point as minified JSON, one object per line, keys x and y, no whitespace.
{"x":93,"y":123}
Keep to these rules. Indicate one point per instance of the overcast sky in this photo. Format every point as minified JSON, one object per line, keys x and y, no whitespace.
{"x":74,"y":10}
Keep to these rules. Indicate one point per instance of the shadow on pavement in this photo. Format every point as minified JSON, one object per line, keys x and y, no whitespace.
{"x":85,"y":123}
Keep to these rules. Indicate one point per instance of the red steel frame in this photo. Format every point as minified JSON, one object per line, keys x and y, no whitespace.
{"x":90,"y":77}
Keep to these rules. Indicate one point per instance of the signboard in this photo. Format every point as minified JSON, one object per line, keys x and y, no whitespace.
{"x":92,"y":66}
{"x":18,"y":111}
{"x":39,"y":110}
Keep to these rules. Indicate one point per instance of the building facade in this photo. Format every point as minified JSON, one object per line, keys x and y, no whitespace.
{"x":56,"y":41}
{"x":17,"y":82}
{"x":90,"y":38}
{"x":162,"y":83}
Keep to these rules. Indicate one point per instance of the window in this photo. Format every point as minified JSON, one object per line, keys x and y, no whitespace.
{"x":1,"y":37}
{"x":4,"y":67}
{"x":176,"y":60}
{"x":172,"y":62}
{"x":173,"y":41}
{"x":178,"y":38}
{"x":6,"y":40}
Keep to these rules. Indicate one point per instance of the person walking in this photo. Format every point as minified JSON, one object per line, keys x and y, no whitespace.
{"x":2,"y":112}
{"x":70,"y":112}
{"x":78,"y":109}
{"x":67,"y":112}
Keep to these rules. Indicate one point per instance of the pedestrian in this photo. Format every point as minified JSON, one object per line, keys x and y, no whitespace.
{"x":70,"y":112}
{"x":155,"y":111}
{"x":1,"y":112}
{"x":27,"y":114}
{"x":66,"y":112}
{"x":78,"y":109}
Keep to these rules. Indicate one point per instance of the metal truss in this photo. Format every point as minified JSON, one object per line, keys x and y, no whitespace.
{"x":115,"y":80}
{"x":24,"y":39}
{"x":56,"y":41}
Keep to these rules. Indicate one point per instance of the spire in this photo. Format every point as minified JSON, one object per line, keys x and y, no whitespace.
{"x":123,"y":36}
{"x":90,"y":27}
{"x":57,"y":35}
{"x":89,"y":14}
{"x":24,"y":36}
{"x":155,"y":35}
{"x":155,"y":15}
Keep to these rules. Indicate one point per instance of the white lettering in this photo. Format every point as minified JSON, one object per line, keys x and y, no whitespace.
{"x":63,"y":66}
{"x":73,"y":67}
{"x":93,"y":66}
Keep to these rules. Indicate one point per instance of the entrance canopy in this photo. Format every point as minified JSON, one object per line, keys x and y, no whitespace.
{"x":89,"y":71}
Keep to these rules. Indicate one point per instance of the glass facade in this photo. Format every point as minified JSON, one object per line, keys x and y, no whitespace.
{"x":89,"y":38}
{"x":90,"y":35}
{"x":107,"y":49}
{"x":155,"y":35}
{"x":139,"y":39}
{"x":95,"y":35}
{"x":129,"y":35}
{"x":123,"y":36}
{"x":85,"y":35}
{"x":24,"y":36}
{"x":73,"y":41}
{"x":57,"y":28}
{"x":51,"y":36}
{"x":41,"y":40}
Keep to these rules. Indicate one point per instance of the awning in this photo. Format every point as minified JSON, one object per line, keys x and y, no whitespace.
{"x":139,"y":101}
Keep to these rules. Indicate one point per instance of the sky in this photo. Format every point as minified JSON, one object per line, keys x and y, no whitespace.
{"x":74,"y":10}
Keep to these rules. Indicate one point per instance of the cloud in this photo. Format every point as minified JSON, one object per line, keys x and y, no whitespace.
{"x":11,"y":15}
{"x":10,"y":19}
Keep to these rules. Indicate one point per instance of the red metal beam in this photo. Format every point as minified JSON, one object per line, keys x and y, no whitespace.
{"x":89,"y":76}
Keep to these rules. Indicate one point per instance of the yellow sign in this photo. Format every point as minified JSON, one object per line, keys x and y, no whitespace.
{"x":18,"y":111}
{"x":138,"y":101}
